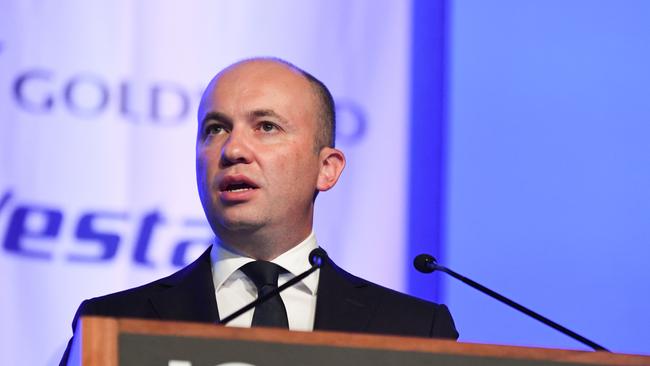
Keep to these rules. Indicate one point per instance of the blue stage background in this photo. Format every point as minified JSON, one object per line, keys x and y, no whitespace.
{"x":508,"y":138}
{"x":548,"y":169}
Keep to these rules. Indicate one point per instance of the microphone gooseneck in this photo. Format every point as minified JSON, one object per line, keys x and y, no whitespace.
{"x":426,"y":263}
{"x":316,"y":258}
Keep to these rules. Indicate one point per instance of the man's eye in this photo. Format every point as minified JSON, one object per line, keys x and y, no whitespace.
{"x":267,"y":126}
{"x":214,"y":129}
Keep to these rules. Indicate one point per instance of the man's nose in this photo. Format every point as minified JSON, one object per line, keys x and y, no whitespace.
{"x":236,"y":149}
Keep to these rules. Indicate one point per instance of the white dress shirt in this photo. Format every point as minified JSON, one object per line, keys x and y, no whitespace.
{"x":234,"y":289}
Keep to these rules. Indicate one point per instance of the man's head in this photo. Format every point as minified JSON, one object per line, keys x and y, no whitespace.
{"x":264,"y":148}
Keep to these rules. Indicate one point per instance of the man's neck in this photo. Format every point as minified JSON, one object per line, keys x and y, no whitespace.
{"x":262,"y":245}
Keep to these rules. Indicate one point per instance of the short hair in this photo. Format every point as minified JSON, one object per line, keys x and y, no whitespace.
{"x":326,"y":135}
{"x":327,"y":113}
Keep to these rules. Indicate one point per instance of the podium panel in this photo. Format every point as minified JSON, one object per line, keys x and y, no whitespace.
{"x":131,"y":342}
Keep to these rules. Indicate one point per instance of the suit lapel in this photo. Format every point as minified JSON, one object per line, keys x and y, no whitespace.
{"x":189,"y":294}
{"x":342,"y":303}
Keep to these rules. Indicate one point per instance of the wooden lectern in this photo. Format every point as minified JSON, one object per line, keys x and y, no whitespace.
{"x":111,"y":342}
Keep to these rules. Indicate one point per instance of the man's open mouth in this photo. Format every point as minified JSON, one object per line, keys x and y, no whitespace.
{"x":238,"y":187}
{"x":236,"y":183}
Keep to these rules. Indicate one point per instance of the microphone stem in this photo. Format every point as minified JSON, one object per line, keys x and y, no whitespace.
{"x":521,"y":308}
{"x":269,"y":295}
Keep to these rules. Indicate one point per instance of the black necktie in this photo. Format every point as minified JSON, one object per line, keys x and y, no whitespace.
{"x":264,"y":275}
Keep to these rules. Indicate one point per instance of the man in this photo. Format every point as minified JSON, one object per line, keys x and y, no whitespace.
{"x":264,"y":149}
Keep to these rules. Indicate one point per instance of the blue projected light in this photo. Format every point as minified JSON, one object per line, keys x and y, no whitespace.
{"x":548,"y":177}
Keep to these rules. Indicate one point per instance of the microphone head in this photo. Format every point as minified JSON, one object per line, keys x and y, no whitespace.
{"x":317,"y":257}
{"x":425,"y":263}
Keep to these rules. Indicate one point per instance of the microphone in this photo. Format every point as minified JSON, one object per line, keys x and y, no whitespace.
{"x":316,"y":258}
{"x":426,"y":263}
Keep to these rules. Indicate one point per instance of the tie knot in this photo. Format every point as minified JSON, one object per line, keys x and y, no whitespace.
{"x":263,"y":273}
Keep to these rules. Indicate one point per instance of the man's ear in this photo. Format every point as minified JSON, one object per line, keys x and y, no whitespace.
{"x":332,"y":162}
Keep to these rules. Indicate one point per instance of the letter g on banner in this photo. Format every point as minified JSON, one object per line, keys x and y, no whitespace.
{"x":34,"y":79}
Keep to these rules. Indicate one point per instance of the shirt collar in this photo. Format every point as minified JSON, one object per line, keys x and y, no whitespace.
{"x":225,"y":262}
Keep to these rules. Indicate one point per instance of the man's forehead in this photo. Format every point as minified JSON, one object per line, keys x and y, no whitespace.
{"x":258,"y":76}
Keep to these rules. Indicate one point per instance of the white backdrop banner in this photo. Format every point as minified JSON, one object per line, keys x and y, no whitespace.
{"x":97,"y":127}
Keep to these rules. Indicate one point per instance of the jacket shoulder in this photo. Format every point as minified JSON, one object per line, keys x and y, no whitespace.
{"x":135,"y":302}
{"x":398,"y":313}
{"x":190,"y":293}
{"x":432,"y":319}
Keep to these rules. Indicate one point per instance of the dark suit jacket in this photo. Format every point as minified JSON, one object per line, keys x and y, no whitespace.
{"x":344,"y":303}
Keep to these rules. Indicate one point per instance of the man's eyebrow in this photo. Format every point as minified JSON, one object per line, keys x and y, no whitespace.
{"x":217,"y":116}
{"x":267,"y":113}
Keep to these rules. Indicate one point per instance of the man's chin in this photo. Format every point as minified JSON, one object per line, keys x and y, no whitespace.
{"x":243,"y":226}
{"x":234,"y":219}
